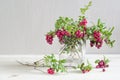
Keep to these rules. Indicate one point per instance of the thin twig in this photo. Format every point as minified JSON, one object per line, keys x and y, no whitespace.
{"x":37,"y":66}
{"x":27,"y":64}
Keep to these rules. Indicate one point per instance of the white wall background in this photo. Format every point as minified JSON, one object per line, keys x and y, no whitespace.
{"x":24,"y":23}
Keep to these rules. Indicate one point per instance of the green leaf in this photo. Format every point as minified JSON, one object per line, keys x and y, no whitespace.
{"x":62,"y":61}
{"x":98,"y":23}
{"x":83,"y":10}
{"x":97,"y":61}
{"x":82,"y":66}
{"x":107,"y":61}
{"x":112,"y":29}
{"x":53,"y":60}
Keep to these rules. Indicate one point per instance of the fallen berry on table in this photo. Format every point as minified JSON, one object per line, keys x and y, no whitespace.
{"x":102,"y":66}
{"x":103,"y":70}
{"x":87,"y":70}
{"x":83,"y":71}
{"x":101,"y":63}
{"x":50,"y":71}
{"x":97,"y":66}
{"x":106,"y":65}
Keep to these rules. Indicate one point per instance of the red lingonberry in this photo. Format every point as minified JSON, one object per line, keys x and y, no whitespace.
{"x":49,"y":38}
{"x":85,"y":28}
{"x":83,"y":22}
{"x":98,"y":39}
{"x":92,"y":43}
{"x":50,"y":71}
{"x":87,"y":70}
{"x":102,"y":66}
{"x":106,"y":65}
{"x":78,"y":34}
{"x":61,"y":33}
{"x":101,"y":63}
{"x":103,"y":70}
{"x":97,"y":66}
{"x":67,"y":33}
{"x":83,"y":71}
{"x":96,"y":34}
{"x":58,"y":33}
{"x":99,"y":44}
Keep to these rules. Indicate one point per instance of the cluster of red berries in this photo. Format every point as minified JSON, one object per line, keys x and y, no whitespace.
{"x":102,"y":64}
{"x":61,"y":33}
{"x":85,"y":70}
{"x":83,"y":22}
{"x":98,"y":40}
{"x":49,"y":38}
{"x":51,"y":71}
{"x":79,"y":34}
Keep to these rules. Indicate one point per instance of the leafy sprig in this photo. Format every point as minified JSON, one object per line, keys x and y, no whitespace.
{"x":52,"y":62}
{"x":85,"y":67}
{"x":83,"y":10}
{"x":102,"y":63}
{"x":105,"y":33}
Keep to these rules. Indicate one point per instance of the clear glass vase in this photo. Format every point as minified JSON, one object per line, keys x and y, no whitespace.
{"x":74,"y":54}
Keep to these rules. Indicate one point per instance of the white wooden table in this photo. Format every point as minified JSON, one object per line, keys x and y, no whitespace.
{"x":11,"y":70}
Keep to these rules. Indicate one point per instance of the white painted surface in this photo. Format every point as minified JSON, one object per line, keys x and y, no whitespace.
{"x":23,"y":23}
{"x":11,"y":70}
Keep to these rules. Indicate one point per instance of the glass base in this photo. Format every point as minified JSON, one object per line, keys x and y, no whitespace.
{"x":74,"y":55}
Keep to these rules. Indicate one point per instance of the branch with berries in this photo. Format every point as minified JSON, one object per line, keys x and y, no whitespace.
{"x":70,"y":32}
{"x":102,"y":63}
{"x":85,"y":68}
{"x":55,"y":65}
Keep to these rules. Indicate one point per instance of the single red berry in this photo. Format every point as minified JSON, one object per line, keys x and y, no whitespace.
{"x":83,"y":22}
{"x":63,"y":33}
{"x":102,"y":66}
{"x":85,"y":28}
{"x":49,"y":38}
{"x":67,"y":33}
{"x":97,"y":66}
{"x":50,"y":71}
{"x":92,"y":43}
{"x":87,"y":70}
{"x":96,"y":34}
{"x":106,"y":65}
{"x":79,"y":34}
{"x":83,"y":71}
{"x":103,"y":70}
{"x":101,"y":63}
